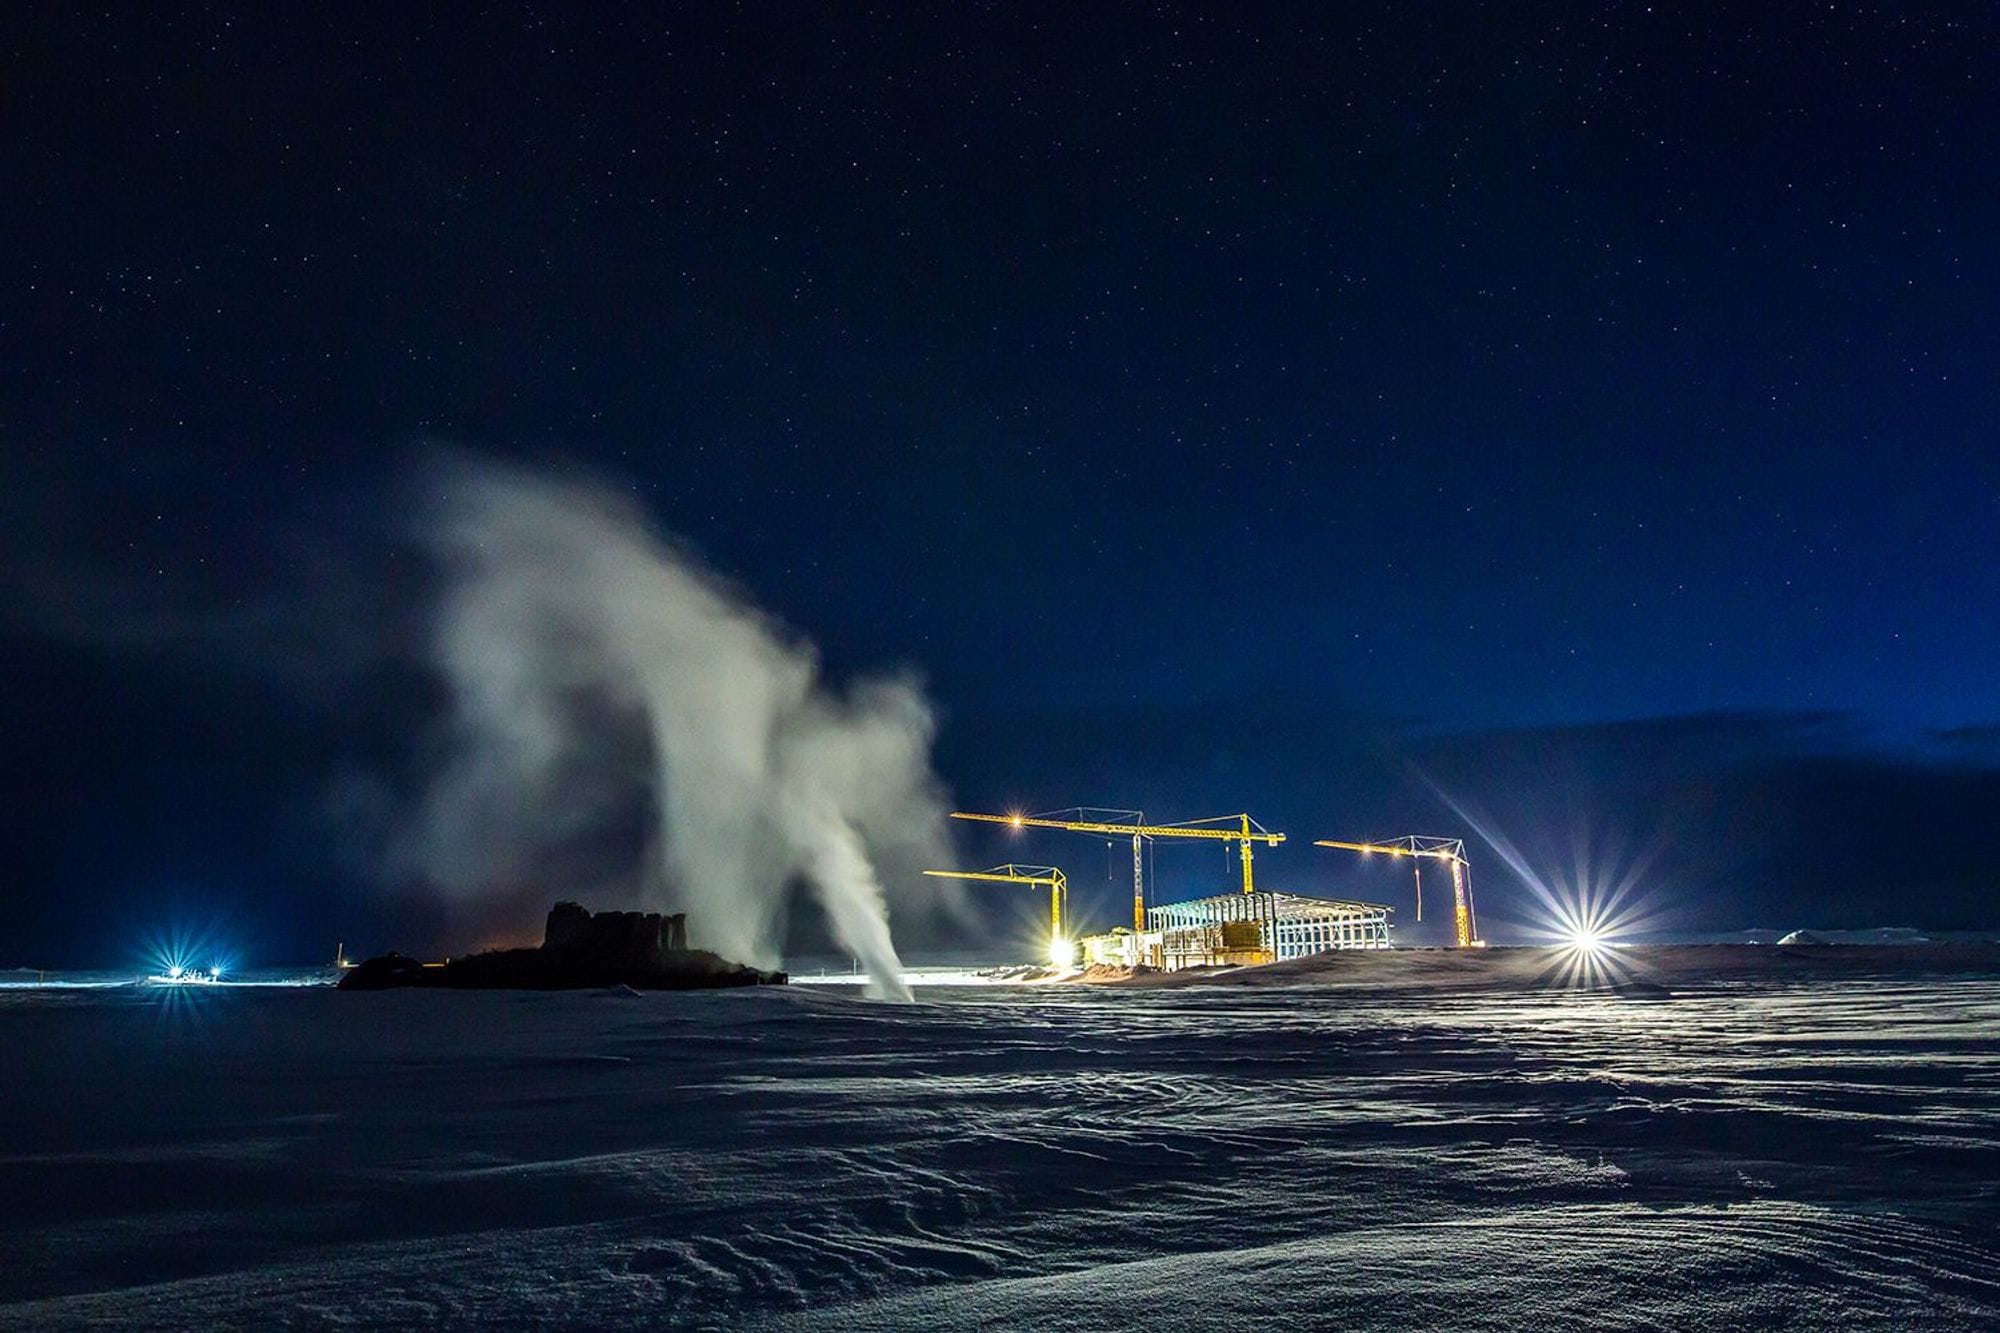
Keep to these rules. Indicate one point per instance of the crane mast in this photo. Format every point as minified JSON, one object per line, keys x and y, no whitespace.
{"x":1014,"y":874}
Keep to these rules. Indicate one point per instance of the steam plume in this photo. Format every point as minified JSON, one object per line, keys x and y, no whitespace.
{"x":566,"y":624}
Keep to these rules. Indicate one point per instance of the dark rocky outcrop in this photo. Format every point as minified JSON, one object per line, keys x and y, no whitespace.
{"x":647,"y":938}
{"x":642,"y":950}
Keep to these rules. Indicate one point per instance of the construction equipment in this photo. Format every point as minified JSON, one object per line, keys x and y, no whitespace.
{"x":1059,"y":941}
{"x":1420,"y":849}
{"x":1246,"y":832}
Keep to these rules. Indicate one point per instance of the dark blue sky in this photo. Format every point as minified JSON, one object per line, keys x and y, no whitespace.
{"x":1589,"y":407}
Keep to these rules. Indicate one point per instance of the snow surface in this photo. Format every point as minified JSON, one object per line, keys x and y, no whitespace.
{"x":1385,"y":1141}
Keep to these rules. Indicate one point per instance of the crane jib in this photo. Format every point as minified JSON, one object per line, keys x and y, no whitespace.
{"x":1246,"y":833}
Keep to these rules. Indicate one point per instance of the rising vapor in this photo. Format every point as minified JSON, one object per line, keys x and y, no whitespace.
{"x":565,"y":624}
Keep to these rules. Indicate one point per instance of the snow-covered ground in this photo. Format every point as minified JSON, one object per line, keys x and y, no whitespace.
{"x":1769,"y":1141}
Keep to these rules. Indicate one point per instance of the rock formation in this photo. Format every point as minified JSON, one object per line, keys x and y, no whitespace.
{"x":643,"y":950}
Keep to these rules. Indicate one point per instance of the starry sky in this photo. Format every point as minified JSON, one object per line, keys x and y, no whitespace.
{"x":1580,"y":414}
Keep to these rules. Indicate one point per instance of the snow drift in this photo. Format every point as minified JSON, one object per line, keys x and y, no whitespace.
{"x":1797,"y":1151}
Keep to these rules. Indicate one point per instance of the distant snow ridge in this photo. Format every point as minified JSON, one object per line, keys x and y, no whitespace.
{"x":1872,"y":935}
{"x":565,"y":621}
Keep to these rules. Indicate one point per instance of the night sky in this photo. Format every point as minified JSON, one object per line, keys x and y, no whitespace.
{"x":1585,"y":412}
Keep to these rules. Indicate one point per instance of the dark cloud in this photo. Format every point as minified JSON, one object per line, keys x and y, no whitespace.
{"x":1756,"y":818}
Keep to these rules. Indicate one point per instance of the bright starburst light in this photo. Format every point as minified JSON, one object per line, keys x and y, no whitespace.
{"x":183,"y":958}
{"x":1585,"y":939}
{"x":1582,"y":914}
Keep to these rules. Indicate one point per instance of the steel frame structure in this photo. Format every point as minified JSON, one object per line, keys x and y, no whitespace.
{"x":1289,"y":925}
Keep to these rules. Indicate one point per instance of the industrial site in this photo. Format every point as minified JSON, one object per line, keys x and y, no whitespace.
{"x":1247,"y":927}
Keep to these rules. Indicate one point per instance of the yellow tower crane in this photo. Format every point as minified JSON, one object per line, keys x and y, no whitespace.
{"x":1059,"y":943}
{"x":1246,"y":832}
{"x":1420,"y":849}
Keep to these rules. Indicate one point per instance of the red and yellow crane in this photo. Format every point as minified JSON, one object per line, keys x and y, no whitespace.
{"x":1420,"y":849}
{"x":1060,"y":949}
{"x":1246,"y":831}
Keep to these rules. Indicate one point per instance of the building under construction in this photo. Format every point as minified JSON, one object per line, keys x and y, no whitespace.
{"x":1225,"y":930}
{"x":1242,"y":930}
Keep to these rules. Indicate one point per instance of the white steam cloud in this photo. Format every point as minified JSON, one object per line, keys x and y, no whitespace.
{"x":566,"y":624}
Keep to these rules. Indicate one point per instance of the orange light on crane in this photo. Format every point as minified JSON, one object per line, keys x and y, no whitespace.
{"x":1420,"y":849}
{"x":1246,"y":832}
{"x":1061,"y":951}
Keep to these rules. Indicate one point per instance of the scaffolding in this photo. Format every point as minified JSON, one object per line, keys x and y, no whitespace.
{"x":1246,"y":929}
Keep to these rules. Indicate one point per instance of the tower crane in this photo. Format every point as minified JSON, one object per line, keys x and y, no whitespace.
{"x":1420,"y":849}
{"x":1059,"y":946}
{"x":1246,"y":833}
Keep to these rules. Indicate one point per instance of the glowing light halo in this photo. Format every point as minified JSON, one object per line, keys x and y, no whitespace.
{"x":1586,"y":940}
{"x":180,"y":958}
{"x":1593,"y":900}
{"x":1580,"y":916}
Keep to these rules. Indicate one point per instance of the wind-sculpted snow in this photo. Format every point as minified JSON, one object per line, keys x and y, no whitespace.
{"x":1784,"y":1150}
